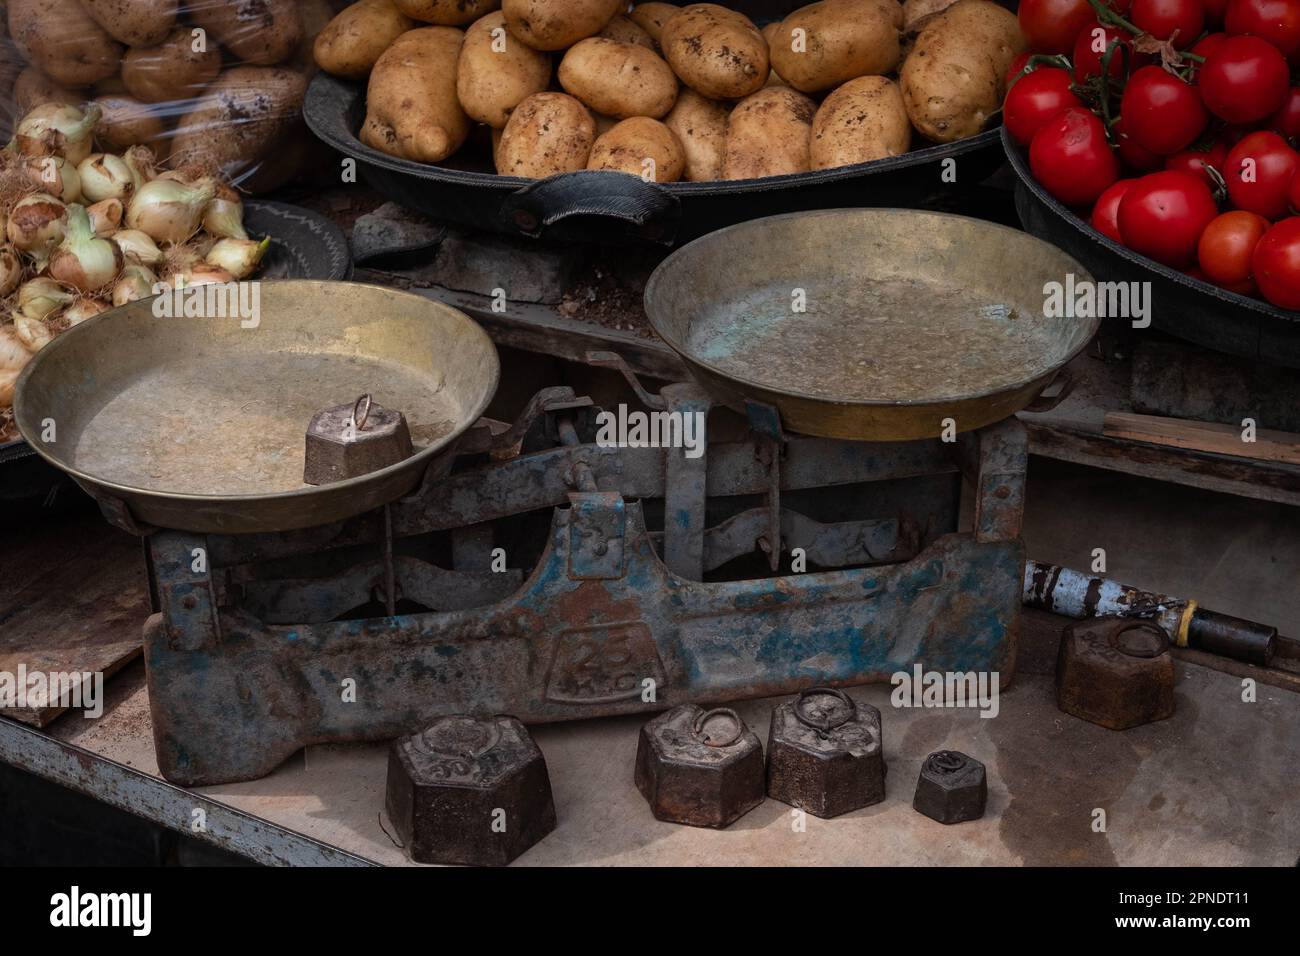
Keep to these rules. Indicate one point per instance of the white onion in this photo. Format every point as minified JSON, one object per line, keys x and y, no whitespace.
{"x":105,"y":176}
{"x":42,"y":296}
{"x":13,"y":354}
{"x":201,"y":273}
{"x":83,"y":260}
{"x":54,"y":175}
{"x":83,"y":309}
{"x":142,"y":163}
{"x":106,"y":217}
{"x":33,"y":333}
{"x":224,"y":215}
{"x":135,"y":282}
{"x":138,"y":247}
{"x":11,"y":269}
{"x":37,"y":224}
{"x":168,"y":211}
{"x":55,"y":129}
{"x":239,"y":257}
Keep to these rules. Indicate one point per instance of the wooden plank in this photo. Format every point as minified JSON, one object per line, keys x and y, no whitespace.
{"x":1209,"y":437}
{"x":78,"y":600}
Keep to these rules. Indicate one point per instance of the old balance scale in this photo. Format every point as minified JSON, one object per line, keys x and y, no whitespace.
{"x":361,"y":608}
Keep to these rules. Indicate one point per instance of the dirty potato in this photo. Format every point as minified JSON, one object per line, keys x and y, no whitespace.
{"x":62,"y":41}
{"x":126,"y":122}
{"x":860,"y":121}
{"x":134,"y":22}
{"x":260,"y":34}
{"x":652,"y":16}
{"x":618,"y":79}
{"x":822,"y":45}
{"x":700,"y":124}
{"x":172,"y":70}
{"x":914,"y":11}
{"x":497,"y":71}
{"x":241,"y":118}
{"x":556,"y":24}
{"x":623,"y":29}
{"x":411,"y":106}
{"x":354,"y":40}
{"x":642,"y":147}
{"x":954,"y":78}
{"x":32,"y":87}
{"x":768,"y":134}
{"x":717,"y":52}
{"x":548,"y":133}
{"x":446,"y":13}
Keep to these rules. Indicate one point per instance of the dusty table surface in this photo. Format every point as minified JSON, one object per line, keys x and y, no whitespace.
{"x":1213,"y":785}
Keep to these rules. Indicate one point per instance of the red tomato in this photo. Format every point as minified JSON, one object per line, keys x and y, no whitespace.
{"x":1050,"y":26}
{"x":1038,"y":97}
{"x":1184,"y":20}
{"x":1259,"y":171}
{"x":1195,"y":161}
{"x":1208,"y":44}
{"x":1244,"y":80}
{"x":1163,"y":215}
{"x":1161,"y":113}
{"x":1091,"y":45}
{"x":1071,"y":158}
{"x":1105,"y":213}
{"x":1286,"y":121}
{"x":1215,"y":11}
{"x":1227,"y":244}
{"x":1293,"y":194}
{"x":1019,"y":63}
{"x":1277,"y":21}
{"x":1276,"y":264}
{"x":1134,"y":156}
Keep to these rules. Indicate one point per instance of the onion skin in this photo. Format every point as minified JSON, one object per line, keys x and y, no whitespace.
{"x":54,"y":129}
{"x":33,"y":333}
{"x":239,"y":257}
{"x":37,"y":224}
{"x":138,"y":247}
{"x":83,"y":309}
{"x":83,"y":260}
{"x":106,"y":217}
{"x":42,"y":296}
{"x":143,"y":165}
{"x":202,"y":273}
{"x":168,"y":211}
{"x":224,"y":215}
{"x":105,"y":176}
{"x":11,"y":270}
{"x":135,"y":283}
{"x":54,"y":175}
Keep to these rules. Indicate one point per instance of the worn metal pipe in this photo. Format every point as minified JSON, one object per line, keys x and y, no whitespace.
{"x":1071,"y":593}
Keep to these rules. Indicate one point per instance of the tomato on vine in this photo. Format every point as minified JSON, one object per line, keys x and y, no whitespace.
{"x":1162,"y":113}
{"x":1105,"y":213}
{"x":1180,"y":20}
{"x":1276,"y":264}
{"x":1050,"y":26}
{"x":1277,"y":21}
{"x":1035,"y":99}
{"x":1071,"y":157}
{"x":1259,"y":171}
{"x":1226,"y":246}
{"x":1244,"y":79}
{"x":1163,"y":215}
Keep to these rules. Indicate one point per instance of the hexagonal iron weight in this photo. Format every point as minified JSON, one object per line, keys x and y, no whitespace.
{"x":824,"y":753}
{"x":350,"y":440}
{"x":469,"y":790}
{"x":700,"y":767}
{"x":952,"y":787}
{"x":1115,"y":672}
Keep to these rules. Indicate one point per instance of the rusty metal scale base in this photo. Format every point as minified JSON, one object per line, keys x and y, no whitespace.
{"x":257,"y":648}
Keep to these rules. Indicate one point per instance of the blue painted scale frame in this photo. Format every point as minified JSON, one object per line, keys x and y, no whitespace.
{"x":232,"y":695}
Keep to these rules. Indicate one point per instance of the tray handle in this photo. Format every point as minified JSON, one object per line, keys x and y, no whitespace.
{"x":1064,"y":381}
{"x":622,"y":206}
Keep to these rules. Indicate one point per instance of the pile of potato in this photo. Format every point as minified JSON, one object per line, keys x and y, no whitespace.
{"x":665,"y":92}
{"x":218,"y":83}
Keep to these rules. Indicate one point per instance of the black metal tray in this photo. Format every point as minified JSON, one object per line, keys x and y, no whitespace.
{"x":1184,"y":307}
{"x":595,"y":206}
